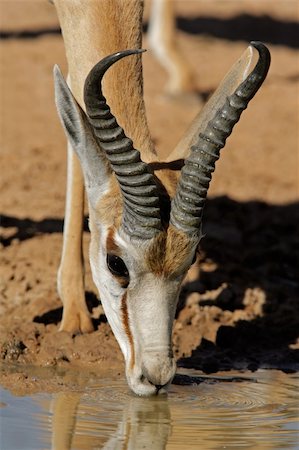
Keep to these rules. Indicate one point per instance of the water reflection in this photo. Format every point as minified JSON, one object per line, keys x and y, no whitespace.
{"x":144,"y":424}
{"x":64,"y":409}
{"x":260,"y":412}
{"x":257,"y":415}
{"x":216,"y":414}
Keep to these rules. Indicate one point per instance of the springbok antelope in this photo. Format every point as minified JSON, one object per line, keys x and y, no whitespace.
{"x":144,"y":216}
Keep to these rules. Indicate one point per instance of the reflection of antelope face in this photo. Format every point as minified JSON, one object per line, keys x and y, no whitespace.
{"x":144,"y":233}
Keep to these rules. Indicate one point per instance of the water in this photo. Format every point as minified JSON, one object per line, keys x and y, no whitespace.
{"x":259,"y":412}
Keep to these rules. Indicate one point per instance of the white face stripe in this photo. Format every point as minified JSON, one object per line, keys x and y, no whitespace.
{"x":121,"y":242}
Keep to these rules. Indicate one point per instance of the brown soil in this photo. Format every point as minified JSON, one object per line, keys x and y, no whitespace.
{"x":243,"y":312}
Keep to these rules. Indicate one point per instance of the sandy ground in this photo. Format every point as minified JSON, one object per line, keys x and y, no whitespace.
{"x":243,"y":312}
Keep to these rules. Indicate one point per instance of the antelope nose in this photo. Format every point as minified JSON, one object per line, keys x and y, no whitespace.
{"x":157,"y":372}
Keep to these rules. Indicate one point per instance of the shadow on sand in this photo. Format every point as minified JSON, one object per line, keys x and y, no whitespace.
{"x":253,"y":244}
{"x":242,"y":27}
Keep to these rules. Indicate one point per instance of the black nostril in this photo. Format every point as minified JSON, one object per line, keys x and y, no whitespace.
{"x":159,"y":386}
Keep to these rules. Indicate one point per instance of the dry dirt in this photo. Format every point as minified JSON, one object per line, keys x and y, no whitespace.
{"x":243,"y":312}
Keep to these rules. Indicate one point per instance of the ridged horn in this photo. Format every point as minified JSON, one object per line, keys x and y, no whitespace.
{"x":188,"y":203}
{"x":141,"y":212}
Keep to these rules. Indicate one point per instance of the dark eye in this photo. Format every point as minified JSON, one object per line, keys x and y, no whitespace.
{"x":117,"y":266}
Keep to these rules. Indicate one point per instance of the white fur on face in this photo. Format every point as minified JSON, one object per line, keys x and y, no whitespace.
{"x":110,"y":294}
{"x":141,"y":315}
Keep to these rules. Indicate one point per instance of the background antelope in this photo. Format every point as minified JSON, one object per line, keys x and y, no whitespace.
{"x":144,"y":216}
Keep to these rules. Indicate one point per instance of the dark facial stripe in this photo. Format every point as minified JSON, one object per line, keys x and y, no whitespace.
{"x":125,"y":320}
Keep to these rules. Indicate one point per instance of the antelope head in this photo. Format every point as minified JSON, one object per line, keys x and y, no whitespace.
{"x":144,"y":238}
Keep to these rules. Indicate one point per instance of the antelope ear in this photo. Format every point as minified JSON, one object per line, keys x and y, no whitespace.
{"x":229,"y":84}
{"x":94,"y":163}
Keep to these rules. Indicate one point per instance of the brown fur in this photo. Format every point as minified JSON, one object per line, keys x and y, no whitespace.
{"x":169,"y":253}
{"x":95,"y":29}
{"x":111,"y":246}
{"x":110,"y":207}
{"x":125,"y":319}
{"x":168,"y":179}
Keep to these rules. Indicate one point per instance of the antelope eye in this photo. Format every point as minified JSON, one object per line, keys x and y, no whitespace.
{"x":117,"y":266}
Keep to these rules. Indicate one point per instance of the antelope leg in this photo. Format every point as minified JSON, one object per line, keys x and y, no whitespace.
{"x":70,"y":279}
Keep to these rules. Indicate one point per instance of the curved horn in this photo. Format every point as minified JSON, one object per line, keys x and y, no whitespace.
{"x":141,"y":213}
{"x":187,"y":205}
